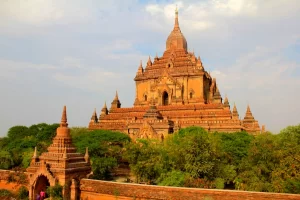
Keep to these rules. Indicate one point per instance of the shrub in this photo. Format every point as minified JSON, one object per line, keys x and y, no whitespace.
{"x":23,"y":193}
{"x":55,"y":192}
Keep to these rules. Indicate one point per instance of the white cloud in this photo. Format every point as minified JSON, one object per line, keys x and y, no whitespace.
{"x":249,"y":46}
{"x":234,"y":7}
{"x":41,"y":12}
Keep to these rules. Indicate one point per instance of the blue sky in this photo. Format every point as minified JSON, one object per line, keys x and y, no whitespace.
{"x":78,"y":53}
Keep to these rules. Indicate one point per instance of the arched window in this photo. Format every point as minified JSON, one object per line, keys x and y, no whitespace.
{"x":165,"y":99}
{"x":145,"y":97}
{"x":191,"y":95}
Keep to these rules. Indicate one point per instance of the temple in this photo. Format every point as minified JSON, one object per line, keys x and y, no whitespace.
{"x":59,"y":165}
{"x":173,"y":91}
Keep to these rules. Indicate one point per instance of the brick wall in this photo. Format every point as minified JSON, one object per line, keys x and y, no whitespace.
{"x":93,"y":189}
{"x":13,"y":186}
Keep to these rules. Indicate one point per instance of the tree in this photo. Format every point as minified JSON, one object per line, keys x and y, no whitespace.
{"x":105,"y":149}
{"x":255,"y":170}
{"x":286,"y":175}
{"x":148,"y":160}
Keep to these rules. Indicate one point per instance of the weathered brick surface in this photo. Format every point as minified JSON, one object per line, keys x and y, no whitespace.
{"x":93,"y":189}
{"x":4,"y":184}
{"x":4,"y":174}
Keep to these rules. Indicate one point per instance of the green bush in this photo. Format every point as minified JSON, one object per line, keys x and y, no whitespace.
{"x":55,"y":192}
{"x":5,"y":193}
{"x":219,"y":183}
{"x":23,"y":193}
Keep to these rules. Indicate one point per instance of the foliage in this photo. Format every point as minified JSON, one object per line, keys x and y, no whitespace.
{"x":219,"y":183}
{"x":173,"y":178}
{"x":192,"y":157}
{"x":55,"y":192}
{"x":102,"y":167}
{"x":23,"y":193}
{"x":105,"y":149}
{"x":17,"y":148}
{"x":5,"y":193}
{"x":6,"y":162}
{"x":148,"y":159}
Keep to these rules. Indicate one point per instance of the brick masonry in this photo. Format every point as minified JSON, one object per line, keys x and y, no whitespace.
{"x":94,"y":189}
{"x":105,"y":190}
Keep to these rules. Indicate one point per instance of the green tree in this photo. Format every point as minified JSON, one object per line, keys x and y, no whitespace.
{"x":105,"y":149}
{"x":148,"y":160}
{"x":286,"y":175}
{"x":256,"y":169}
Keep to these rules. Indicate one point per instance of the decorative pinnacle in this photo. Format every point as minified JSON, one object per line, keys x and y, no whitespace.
{"x":248,"y":109}
{"x":104,"y":105}
{"x":176,"y":26}
{"x":65,"y":153}
{"x":149,"y":62}
{"x":86,"y":152}
{"x":116,"y":97}
{"x":35,"y":153}
{"x":86,"y":156}
{"x":234,"y":107}
{"x":64,"y":117}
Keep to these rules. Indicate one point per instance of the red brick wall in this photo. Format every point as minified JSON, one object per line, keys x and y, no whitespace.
{"x":93,"y":189}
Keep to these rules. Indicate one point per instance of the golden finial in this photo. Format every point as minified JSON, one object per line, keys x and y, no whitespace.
{"x":176,"y":10}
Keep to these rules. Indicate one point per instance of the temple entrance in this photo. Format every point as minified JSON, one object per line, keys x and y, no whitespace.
{"x":165,"y":99}
{"x":41,"y":184}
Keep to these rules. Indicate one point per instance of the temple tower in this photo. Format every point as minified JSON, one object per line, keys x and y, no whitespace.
{"x":182,"y":94}
{"x":60,"y":164}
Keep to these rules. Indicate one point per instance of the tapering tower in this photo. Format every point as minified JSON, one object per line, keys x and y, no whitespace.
{"x":250,"y":124}
{"x":60,"y":164}
{"x":176,"y":39}
{"x":178,"y":77}
{"x":235,"y":114}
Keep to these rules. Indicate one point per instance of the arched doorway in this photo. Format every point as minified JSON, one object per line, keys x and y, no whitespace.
{"x":42,"y":183}
{"x":165,"y":98}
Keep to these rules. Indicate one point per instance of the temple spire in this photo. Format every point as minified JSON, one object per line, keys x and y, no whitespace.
{"x":226,"y":102}
{"x":117,"y":96}
{"x":176,"y":26}
{"x":94,"y":117}
{"x":104,"y":111}
{"x":35,"y":153}
{"x":248,"y":109}
{"x":149,"y":62}
{"x":248,"y":115}
{"x":235,"y":114}
{"x":116,"y":102}
{"x":63,"y":122}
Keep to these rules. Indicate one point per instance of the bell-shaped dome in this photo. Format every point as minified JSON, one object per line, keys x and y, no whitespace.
{"x":176,"y":40}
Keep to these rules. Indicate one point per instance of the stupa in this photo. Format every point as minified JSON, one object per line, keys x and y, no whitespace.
{"x":59,"y":165}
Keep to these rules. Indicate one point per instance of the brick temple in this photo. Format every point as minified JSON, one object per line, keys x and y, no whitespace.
{"x":60,"y":164}
{"x":173,"y":91}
